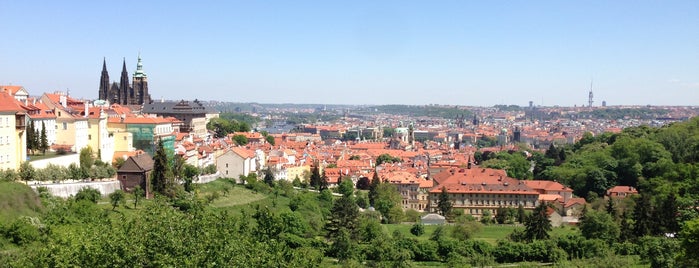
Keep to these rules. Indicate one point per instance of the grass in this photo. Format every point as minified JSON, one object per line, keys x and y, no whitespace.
{"x":39,"y":156}
{"x":17,"y":200}
{"x":489,"y":233}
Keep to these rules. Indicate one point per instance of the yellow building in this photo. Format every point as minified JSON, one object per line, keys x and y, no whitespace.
{"x":13,"y":136}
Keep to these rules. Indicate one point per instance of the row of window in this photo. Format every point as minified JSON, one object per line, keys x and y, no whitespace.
{"x":5,"y":140}
{"x":5,"y":159}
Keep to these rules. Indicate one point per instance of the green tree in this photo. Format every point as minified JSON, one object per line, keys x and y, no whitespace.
{"x":417,"y":229}
{"x":161,"y":176}
{"x":90,"y":194}
{"x":43,"y":140}
{"x":27,"y":171}
{"x":387,"y":158}
{"x":521,"y":214}
{"x":537,"y":225}
{"x":599,"y":225}
{"x":240,"y":139}
{"x":689,"y":236}
{"x":644,"y":223}
{"x":137,"y":195}
{"x":443,"y":203}
{"x":388,"y":202}
{"x":269,"y":177}
{"x":86,"y":161}
{"x":315,"y":180}
{"x":116,"y":198}
{"x":344,"y":215}
{"x":373,"y":186}
{"x":346,"y":187}
{"x":270,"y":139}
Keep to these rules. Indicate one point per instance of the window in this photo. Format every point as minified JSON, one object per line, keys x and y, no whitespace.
{"x":0,"y":143}
{"x":89,"y":136}
{"x":65,"y":126}
{"x":226,"y":164}
{"x":7,"y":140}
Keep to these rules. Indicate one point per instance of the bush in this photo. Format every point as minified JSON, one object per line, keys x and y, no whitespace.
{"x":418,"y":229}
{"x":89,"y":194}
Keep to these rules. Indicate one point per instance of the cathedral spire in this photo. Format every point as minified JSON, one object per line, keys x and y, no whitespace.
{"x":103,"y":93}
{"x":139,"y":68}
{"x":125,"y":91}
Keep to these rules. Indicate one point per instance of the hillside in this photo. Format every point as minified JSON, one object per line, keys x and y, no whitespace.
{"x":17,"y":199}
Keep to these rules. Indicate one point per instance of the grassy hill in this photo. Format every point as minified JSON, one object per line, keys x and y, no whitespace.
{"x":16,"y":200}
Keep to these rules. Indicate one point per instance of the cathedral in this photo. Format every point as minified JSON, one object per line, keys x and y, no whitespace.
{"x":124,"y":93}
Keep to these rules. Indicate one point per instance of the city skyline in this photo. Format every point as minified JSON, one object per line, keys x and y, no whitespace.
{"x":393,"y":52}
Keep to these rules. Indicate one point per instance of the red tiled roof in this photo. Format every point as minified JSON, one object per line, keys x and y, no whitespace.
{"x":9,"y":103}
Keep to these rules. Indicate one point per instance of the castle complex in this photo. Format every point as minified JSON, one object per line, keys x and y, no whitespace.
{"x":124,"y":93}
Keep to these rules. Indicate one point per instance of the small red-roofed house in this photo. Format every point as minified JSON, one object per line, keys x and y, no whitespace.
{"x":621,"y":191}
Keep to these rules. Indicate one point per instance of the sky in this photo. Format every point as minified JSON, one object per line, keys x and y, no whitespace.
{"x":479,"y":53}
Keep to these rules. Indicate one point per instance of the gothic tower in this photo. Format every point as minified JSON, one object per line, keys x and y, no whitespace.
{"x":140,"y":85}
{"x":104,"y":82}
{"x":125,"y":91}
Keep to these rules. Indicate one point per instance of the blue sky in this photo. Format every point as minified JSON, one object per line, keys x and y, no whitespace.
{"x":362,"y":52}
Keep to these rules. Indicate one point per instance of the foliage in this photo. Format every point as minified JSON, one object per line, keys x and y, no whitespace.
{"x":90,"y":194}
{"x":137,"y":195}
{"x":388,"y":201}
{"x":418,"y":229}
{"x":599,"y":225}
{"x":363,"y":183}
{"x":86,"y":161}
{"x":117,"y":197}
{"x":27,"y":172}
{"x":162,"y":177}
{"x":537,"y":225}
{"x":222,"y":126}
{"x":387,"y":158}
{"x":443,"y":203}
{"x":240,"y":139}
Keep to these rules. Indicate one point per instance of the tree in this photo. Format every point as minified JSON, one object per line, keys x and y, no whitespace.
{"x":387,"y":158}
{"x":270,"y":139}
{"x":43,"y":140}
{"x":116,"y":198}
{"x":373,"y":186}
{"x":323,"y":182}
{"x":240,"y":139}
{"x":31,"y":139}
{"x":388,"y":201}
{"x":537,"y":224}
{"x":443,"y":204}
{"x":90,"y":194}
{"x":86,"y":161}
{"x":161,"y":176}
{"x":344,"y":215}
{"x":689,"y":236}
{"x":27,"y":171}
{"x":611,"y":208}
{"x":521,"y":214}
{"x":315,"y":176}
{"x":418,"y":229}
{"x":269,"y":177}
{"x":667,"y":215}
{"x":644,"y":223}
{"x":137,"y":194}
{"x":363,"y":183}
{"x":346,"y":187}
{"x":599,"y":225}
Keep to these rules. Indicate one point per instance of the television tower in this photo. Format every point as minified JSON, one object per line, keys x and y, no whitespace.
{"x":589,"y":95}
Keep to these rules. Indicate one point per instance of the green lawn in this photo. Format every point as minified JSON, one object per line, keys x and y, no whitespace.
{"x":39,"y":156}
{"x":489,"y":233}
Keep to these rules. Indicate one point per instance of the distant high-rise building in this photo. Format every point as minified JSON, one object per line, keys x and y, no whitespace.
{"x":531,"y":105}
{"x":604,"y":103}
{"x":124,"y":93}
{"x":589,"y":96}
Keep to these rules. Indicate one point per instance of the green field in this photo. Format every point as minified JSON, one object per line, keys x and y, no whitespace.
{"x":489,"y":233}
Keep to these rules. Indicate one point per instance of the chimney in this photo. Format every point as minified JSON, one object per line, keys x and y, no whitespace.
{"x":63,"y":100}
